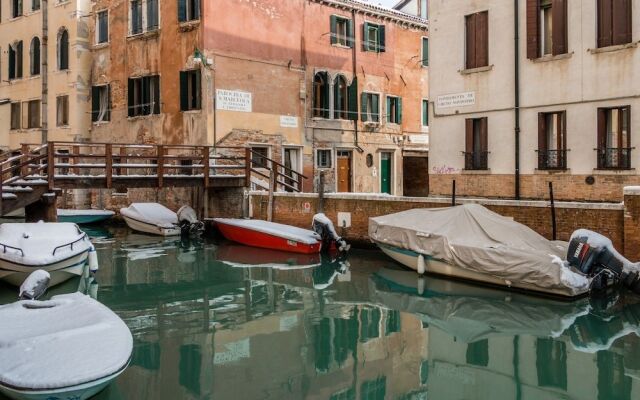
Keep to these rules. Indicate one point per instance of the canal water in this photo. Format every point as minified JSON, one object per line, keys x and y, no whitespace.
{"x":221,"y":321}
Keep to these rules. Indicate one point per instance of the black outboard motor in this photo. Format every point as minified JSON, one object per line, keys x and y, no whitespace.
{"x":594,"y":255}
{"x":324,"y":227}
{"x":35,"y":285}
{"x":188,"y":221}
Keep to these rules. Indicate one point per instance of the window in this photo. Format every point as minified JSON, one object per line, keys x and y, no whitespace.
{"x":101,"y":103}
{"x":102,"y":26}
{"x":614,"y":138}
{"x":614,"y":22}
{"x":63,"y":50}
{"x":259,"y":157}
{"x":143,"y":17}
{"x":370,"y":103}
{"x":425,"y":112}
{"x":373,"y":38}
{"x":152,"y":15}
{"x":35,"y":5}
{"x":321,"y":95}
{"x":340,"y":98}
{"x":394,"y":110}
{"x":341,"y":31}
{"x":136,"y":17}
{"x":16,"y":8}
{"x":15,"y":116}
{"x":15,"y":60}
{"x":34,"y":56}
{"x":552,"y":152}
{"x":551,"y":363}
{"x":323,"y":158}
{"x":546,"y":28}
{"x":477,"y":45}
{"x":190,"y":98}
{"x":425,"y":52}
{"x":188,"y":10}
{"x":144,"y":96}
{"x":476,"y":154}
{"x":374,"y":390}
{"x":478,"y":353}
{"x":32,"y":119}
{"x":62,"y":111}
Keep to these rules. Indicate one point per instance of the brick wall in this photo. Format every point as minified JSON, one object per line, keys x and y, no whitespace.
{"x":298,"y":209}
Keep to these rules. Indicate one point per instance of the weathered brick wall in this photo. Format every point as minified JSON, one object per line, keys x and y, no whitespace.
{"x":298,"y":210}
{"x":566,"y":187}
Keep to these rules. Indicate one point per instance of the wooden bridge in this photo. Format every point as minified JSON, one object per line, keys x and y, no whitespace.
{"x":37,"y":173}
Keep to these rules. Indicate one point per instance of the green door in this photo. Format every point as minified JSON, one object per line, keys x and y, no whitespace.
{"x":385,"y":173}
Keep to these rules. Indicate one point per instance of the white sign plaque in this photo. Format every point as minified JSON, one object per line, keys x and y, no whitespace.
{"x":233,"y":100}
{"x":456,"y":100}
{"x":287,"y":121}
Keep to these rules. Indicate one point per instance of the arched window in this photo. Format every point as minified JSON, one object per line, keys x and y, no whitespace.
{"x":63,"y":49}
{"x":321,"y":95}
{"x":340,"y":98}
{"x":34,"y":55}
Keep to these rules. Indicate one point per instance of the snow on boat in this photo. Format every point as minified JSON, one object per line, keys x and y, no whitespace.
{"x":474,"y":243}
{"x":270,"y":235}
{"x":61,"y":249}
{"x":84,"y":216}
{"x":152,"y":218}
{"x":69,"y":347}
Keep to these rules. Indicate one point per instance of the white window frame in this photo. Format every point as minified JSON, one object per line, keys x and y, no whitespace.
{"x":97,"y":24}
{"x":317,"y":158}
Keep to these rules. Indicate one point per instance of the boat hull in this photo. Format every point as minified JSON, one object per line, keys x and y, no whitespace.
{"x":410,"y":258}
{"x":79,"y":392}
{"x":149,"y":228}
{"x":83,"y":219}
{"x":60,"y":271}
{"x":254,"y":238}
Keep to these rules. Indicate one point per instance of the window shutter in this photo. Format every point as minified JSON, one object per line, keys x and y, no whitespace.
{"x":20,"y":9}
{"x":155,"y":82}
{"x":399,"y":110}
{"x":130,"y":95}
{"x":353,"y":99}
{"x":484,"y":136}
{"x":182,"y":10}
{"x":425,"y":113}
{"x":19,"y":57}
{"x":471,"y":41}
{"x":36,"y":56}
{"x":382,"y":43}
{"x":12,"y":63}
{"x":542,"y":133}
{"x":375,"y":107}
{"x":334,"y":29}
{"x":95,"y":103}
{"x":621,"y":21}
{"x":184,"y":90}
{"x":604,"y":23}
{"x":425,"y":52}
{"x":365,"y":40}
{"x":602,"y":134}
{"x":468,"y":140}
{"x":351,"y":38}
{"x":533,"y":28}
{"x":198,"y":91}
{"x":388,"y":109}
{"x":482,"y":39}
{"x":559,"y":10}
{"x":363,"y":106}
{"x":196,"y":9}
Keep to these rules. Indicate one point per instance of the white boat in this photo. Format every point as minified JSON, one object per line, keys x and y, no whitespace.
{"x":69,"y":347}
{"x":61,"y":249}
{"x":152,"y":218}
{"x":471,"y":242}
{"x":84,"y":216}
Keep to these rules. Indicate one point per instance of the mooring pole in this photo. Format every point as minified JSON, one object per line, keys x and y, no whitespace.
{"x":453,"y":193}
{"x":553,"y":212}
{"x":272,"y":189}
{"x":321,"y":192}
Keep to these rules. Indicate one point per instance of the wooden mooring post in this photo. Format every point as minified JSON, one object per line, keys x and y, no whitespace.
{"x":453,"y":193}
{"x":553,"y":213}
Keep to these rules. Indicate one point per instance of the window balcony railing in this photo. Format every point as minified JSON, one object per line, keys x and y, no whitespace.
{"x":476,"y":160}
{"x":552,"y":159}
{"x":614,"y":157}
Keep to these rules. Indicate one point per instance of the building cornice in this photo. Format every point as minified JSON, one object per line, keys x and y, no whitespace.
{"x":411,"y":21}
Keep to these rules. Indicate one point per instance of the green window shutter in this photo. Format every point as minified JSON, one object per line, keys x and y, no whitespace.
{"x":182,"y":10}
{"x":425,"y":52}
{"x":19,"y":57}
{"x":334,"y":29}
{"x":365,"y":42}
{"x":184,"y":90}
{"x":130,"y":106}
{"x":363,"y":105}
{"x":351,"y":38}
{"x":95,"y":103}
{"x":375,"y":107}
{"x":336,"y":100}
{"x":381,"y":39}
{"x":425,"y":113}
{"x":399,"y":110}
{"x":388,"y":109}
{"x":353,"y":100}
{"x":325,"y":98}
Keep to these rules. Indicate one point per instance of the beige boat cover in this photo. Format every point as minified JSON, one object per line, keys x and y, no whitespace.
{"x":471,"y":236}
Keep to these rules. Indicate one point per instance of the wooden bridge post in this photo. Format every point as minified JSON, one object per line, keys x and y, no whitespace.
{"x":51,"y":165}
{"x":247,"y":167}
{"x":160,"y":165}
{"x":108,"y":164}
{"x":24,"y":171}
{"x":75,"y":150}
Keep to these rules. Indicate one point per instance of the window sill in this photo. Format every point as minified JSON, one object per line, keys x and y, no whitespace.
{"x":194,"y":111}
{"x":470,"y":71}
{"x":63,"y":127}
{"x":32,"y":12}
{"x":144,"y":35}
{"x":538,"y":171}
{"x":100,"y":46}
{"x":61,"y":71}
{"x":141,"y":117}
{"x":15,"y":18}
{"x":610,"y":49}
{"x":62,"y":3}
{"x":187,"y":26}
{"x":605,"y":171}
{"x":341,"y":46}
{"x":476,"y":171}
{"x":99,"y":123}
{"x":550,"y":57}
{"x":26,"y":130}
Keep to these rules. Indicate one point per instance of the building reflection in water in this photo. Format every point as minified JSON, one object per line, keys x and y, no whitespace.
{"x":215,"y":328}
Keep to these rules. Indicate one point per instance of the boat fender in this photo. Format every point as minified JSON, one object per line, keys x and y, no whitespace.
{"x":421,"y":285}
{"x":35,"y":285}
{"x":421,"y":265}
{"x":93,"y":259}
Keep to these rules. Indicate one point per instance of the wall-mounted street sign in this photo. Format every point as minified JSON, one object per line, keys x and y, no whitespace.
{"x":287,"y":121}
{"x":233,"y":100}
{"x":456,"y":100}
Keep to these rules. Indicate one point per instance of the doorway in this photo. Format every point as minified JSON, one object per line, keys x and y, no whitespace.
{"x":291,"y":159}
{"x":344,"y":171}
{"x":385,"y":171}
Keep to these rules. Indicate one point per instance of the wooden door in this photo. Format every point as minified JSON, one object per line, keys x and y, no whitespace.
{"x":385,"y":172}
{"x":344,"y":171}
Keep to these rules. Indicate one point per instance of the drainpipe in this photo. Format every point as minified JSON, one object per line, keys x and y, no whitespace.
{"x":354,"y":64}
{"x":44,"y":71}
{"x":516,"y":24}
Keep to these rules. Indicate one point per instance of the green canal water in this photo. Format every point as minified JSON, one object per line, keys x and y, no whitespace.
{"x":221,"y":321}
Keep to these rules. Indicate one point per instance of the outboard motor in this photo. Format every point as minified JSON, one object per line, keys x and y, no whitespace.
{"x":594,"y":255}
{"x":323,"y":226}
{"x":188,"y":221}
{"x":35,"y":285}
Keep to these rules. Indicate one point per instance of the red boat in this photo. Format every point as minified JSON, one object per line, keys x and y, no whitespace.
{"x":269,"y":235}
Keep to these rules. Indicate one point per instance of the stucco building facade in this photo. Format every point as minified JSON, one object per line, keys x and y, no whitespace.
{"x":572,"y":110}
